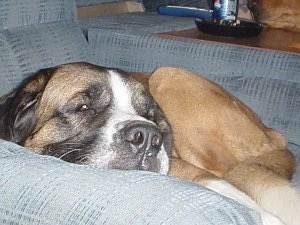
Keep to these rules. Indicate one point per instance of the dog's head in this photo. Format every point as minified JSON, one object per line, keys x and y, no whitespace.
{"x":86,"y":114}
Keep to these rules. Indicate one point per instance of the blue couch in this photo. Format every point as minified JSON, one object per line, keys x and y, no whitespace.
{"x":36,"y":189}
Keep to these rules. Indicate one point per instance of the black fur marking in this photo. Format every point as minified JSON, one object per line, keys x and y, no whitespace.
{"x":73,"y":150}
{"x":17,"y":111}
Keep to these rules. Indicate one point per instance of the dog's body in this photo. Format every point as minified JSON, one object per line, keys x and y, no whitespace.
{"x":87,"y":114}
{"x":277,"y":13}
{"x":217,"y":138}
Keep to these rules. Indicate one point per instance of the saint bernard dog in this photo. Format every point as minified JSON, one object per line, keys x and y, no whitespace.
{"x":91,"y":115}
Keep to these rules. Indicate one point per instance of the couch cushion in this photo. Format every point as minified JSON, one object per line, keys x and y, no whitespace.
{"x":295,"y":149}
{"x":44,"y":190}
{"x":81,"y":3}
{"x":16,"y":13}
{"x":136,"y":22}
{"x":26,"y":49}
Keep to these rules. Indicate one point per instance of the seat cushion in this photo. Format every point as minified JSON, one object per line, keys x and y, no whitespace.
{"x":44,"y":190}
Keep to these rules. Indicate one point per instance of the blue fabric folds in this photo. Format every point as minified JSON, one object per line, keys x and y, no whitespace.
{"x":44,"y":190}
{"x":25,"y":50}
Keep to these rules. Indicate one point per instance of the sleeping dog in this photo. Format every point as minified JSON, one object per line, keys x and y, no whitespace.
{"x":86,"y":114}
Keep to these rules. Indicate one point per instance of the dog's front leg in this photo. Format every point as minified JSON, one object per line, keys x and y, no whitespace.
{"x":183,"y":169}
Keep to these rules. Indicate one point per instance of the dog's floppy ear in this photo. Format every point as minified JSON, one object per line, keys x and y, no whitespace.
{"x":17,"y":109}
{"x":23,"y":117}
{"x":5,"y":106}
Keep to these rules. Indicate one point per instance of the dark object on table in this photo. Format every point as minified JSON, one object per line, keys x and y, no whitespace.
{"x":243,"y":29}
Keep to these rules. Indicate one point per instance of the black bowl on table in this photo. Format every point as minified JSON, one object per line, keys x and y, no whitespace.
{"x":242,"y":29}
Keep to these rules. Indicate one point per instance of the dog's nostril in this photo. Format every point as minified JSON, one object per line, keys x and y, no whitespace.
{"x":133,"y":136}
{"x":137,"y":138}
{"x":156,"y":141}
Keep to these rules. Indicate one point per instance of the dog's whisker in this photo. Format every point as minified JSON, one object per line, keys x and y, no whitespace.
{"x":72,"y":144}
{"x":68,"y":152}
{"x":81,"y":158}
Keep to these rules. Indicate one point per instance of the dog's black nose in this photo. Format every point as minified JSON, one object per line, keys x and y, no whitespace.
{"x":143,"y":137}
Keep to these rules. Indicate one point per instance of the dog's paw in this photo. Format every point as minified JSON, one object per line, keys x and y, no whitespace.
{"x":270,"y":219}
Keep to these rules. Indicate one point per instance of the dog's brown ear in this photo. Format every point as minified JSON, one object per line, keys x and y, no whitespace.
{"x":5,"y":105}
{"x":17,"y":110}
{"x":23,"y":117}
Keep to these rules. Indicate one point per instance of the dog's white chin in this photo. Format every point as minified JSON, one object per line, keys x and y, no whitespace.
{"x":164,"y":161}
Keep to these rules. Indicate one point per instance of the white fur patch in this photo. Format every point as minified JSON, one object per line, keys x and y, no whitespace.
{"x":164,"y":161}
{"x":228,"y":190}
{"x":122,"y":108}
{"x":121,"y":93}
{"x":283,"y":201}
{"x":122,"y":111}
{"x":103,"y":158}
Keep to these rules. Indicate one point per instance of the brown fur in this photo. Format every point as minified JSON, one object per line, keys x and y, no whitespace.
{"x":53,"y":98}
{"x":216,"y":136}
{"x":212,"y":129}
{"x":283,"y":14}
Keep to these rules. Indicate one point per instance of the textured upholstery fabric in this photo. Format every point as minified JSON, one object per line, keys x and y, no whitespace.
{"x":16,"y":13}
{"x":137,"y":22}
{"x":44,"y":190}
{"x":296,"y":151}
{"x":26,"y":49}
{"x":98,"y":2}
{"x":36,"y":34}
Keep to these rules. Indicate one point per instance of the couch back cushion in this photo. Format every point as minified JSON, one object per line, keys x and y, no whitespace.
{"x":24,"y":50}
{"x":16,"y":13}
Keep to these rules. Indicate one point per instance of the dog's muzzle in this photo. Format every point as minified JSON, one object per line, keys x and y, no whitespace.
{"x":143,"y":138}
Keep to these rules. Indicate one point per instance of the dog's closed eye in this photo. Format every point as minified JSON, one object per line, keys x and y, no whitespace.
{"x":84,"y":108}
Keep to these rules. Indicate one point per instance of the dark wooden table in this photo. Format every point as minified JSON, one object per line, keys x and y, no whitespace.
{"x":274,"y":39}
